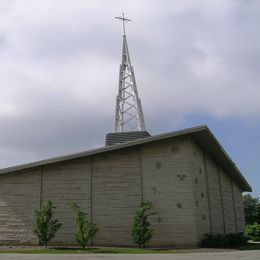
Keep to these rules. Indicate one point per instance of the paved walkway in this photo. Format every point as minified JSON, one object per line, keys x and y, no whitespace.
{"x":233,"y":255}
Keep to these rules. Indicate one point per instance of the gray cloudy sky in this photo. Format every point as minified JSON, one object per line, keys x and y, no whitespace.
{"x":196,"y":62}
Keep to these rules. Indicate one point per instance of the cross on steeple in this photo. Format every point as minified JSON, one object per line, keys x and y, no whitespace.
{"x":124,"y":20}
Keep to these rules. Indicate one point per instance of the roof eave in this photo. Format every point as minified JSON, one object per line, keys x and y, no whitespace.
{"x":201,"y":134}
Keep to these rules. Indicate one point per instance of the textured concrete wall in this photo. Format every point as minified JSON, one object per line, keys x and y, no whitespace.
{"x":167,"y":183}
{"x":228,"y":208}
{"x":19,"y":197}
{"x":175,"y":175}
{"x":215,"y":196}
{"x":221,"y":202}
{"x":116,"y":195}
{"x":240,"y":214}
{"x":63,"y":184}
{"x":200,"y":188}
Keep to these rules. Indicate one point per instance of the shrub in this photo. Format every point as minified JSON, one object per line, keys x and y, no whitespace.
{"x":142,"y":231}
{"x":236,"y":239}
{"x":214,"y":240}
{"x":252,"y":209}
{"x":253,"y":232}
{"x":85,"y":229}
{"x":46,"y":227}
{"x":223,"y":240}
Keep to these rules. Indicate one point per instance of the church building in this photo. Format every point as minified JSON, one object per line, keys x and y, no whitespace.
{"x":193,"y":184}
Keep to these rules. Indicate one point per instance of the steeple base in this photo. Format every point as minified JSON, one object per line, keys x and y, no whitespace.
{"x":122,"y":137}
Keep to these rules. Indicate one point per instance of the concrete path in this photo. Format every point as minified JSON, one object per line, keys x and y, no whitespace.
{"x":234,"y":255}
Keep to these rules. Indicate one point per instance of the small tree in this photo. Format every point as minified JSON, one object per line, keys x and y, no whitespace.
{"x":252,"y":209}
{"x":253,"y":231}
{"x":142,"y":231}
{"x":46,"y":227}
{"x":85,"y":229}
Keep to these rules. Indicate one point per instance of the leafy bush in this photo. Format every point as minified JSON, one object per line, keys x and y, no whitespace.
{"x":223,"y":240}
{"x":142,"y":231}
{"x":236,"y":239}
{"x":85,"y":229}
{"x":46,"y":227}
{"x":253,"y":232}
{"x":216,"y":240}
{"x":252,"y":209}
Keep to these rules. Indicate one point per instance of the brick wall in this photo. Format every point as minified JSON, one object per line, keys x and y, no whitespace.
{"x":223,"y":197}
{"x":116,"y":195}
{"x":19,"y":197}
{"x":180,"y":180}
{"x":63,"y":184}
{"x":201,"y":191}
{"x":167,"y":183}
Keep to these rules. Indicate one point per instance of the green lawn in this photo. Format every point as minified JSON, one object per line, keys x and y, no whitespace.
{"x":92,"y":250}
{"x":251,"y":246}
{"x":111,"y":250}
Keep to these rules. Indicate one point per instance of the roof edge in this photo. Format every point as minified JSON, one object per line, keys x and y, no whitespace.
{"x":193,"y":130}
{"x":247,"y":187}
{"x":102,"y":149}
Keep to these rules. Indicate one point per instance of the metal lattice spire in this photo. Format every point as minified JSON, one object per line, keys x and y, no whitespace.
{"x":129,"y":115}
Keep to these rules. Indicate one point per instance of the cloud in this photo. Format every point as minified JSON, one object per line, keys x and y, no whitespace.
{"x":208,"y":62}
{"x":59,"y":63}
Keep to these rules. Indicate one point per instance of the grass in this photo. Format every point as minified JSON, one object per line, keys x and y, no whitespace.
{"x":92,"y":250}
{"x":110,"y":250}
{"x":250,"y":246}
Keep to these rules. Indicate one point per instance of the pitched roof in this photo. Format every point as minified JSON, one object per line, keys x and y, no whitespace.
{"x":201,"y":134}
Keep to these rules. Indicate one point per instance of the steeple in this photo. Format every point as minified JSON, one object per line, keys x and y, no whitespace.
{"x":129,"y":119}
{"x":129,"y":114}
